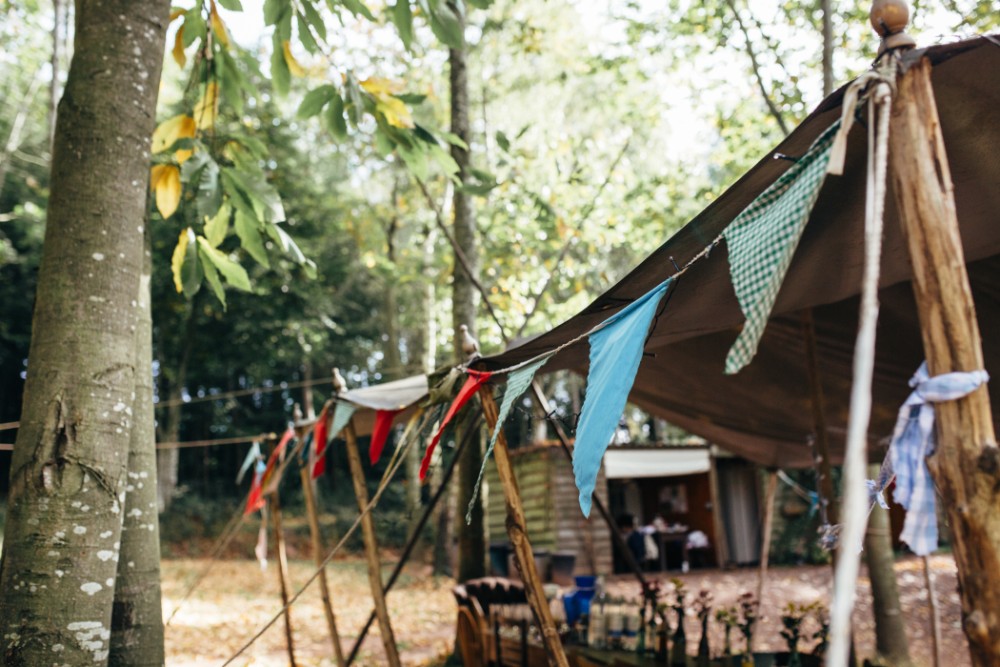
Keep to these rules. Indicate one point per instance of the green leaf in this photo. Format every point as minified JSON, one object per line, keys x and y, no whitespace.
{"x":357,"y":7}
{"x":502,"y":141}
{"x":217,"y":226}
{"x":232,"y":5}
{"x":309,"y":267}
{"x":415,"y":160}
{"x":256,"y":147}
{"x":454,"y":140}
{"x":314,"y":19}
{"x":411,"y":99}
{"x":280,"y":76}
{"x":265,"y":199}
{"x":231,"y":82}
{"x":212,"y":277}
{"x":315,"y":100}
{"x":402,"y":17}
{"x":248,"y":230}
{"x":480,"y":4}
{"x":275,"y":9}
{"x":234,"y":274}
{"x":283,"y":29}
{"x":209,"y":195}
{"x":335,"y":116}
{"x":447,"y":26}
{"x":305,"y":34}
{"x":444,"y":159}
{"x":191,"y":271}
{"x":355,"y":102}
{"x":286,"y":243}
{"x":194,"y":26}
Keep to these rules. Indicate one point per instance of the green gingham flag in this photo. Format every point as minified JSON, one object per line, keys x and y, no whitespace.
{"x":762,"y":240}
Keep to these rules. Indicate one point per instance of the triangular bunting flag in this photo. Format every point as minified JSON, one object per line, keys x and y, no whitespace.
{"x":269,"y":481}
{"x":251,"y":456}
{"x":255,"y":499}
{"x":342,"y":413}
{"x":320,"y":434}
{"x":762,"y":241}
{"x":380,"y":433}
{"x":475,"y":380}
{"x":517,"y":383}
{"x":615,"y":353}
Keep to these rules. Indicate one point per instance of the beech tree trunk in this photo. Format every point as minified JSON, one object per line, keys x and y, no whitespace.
{"x":890,"y":631}
{"x":471,"y":536}
{"x":68,"y":473}
{"x":137,"y":616}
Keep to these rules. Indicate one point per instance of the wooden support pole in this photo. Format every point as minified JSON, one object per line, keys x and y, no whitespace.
{"x":279,"y":545}
{"x":371,"y":546}
{"x":966,"y":464}
{"x":932,"y":605}
{"x":415,"y":534}
{"x":816,"y":401}
{"x":765,"y":537}
{"x":318,"y":554}
{"x":518,"y":532}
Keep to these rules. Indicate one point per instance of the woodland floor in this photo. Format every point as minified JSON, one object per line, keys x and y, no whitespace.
{"x":236,"y":599}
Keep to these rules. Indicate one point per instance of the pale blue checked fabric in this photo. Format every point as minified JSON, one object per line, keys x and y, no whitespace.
{"x":913,"y":440}
{"x":762,"y":241}
{"x":615,"y":353}
{"x":342,"y":414}
{"x":518,"y":382}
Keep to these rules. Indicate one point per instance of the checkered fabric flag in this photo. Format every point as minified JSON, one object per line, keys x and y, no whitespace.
{"x":762,"y":240}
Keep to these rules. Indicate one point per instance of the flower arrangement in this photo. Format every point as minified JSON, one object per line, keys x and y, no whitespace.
{"x":703,"y":609}
{"x":749,"y":608}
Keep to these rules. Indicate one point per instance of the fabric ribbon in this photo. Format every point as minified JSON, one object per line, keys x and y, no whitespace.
{"x":251,"y":456}
{"x":320,"y":435}
{"x":255,"y":499}
{"x":271,"y":477}
{"x":380,"y":433}
{"x":913,"y":440}
{"x":615,"y":352}
{"x":472,"y":384}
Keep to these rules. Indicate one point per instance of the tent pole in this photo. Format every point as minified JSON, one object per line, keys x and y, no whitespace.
{"x":765,"y":538}
{"x":309,"y":494}
{"x":933,"y":609}
{"x":371,"y":546}
{"x":415,"y":535}
{"x":518,"y":531}
{"x":825,"y":481}
{"x":966,"y":465}
{"x":616,"y":534}
{"x":279,"y":545}
{"x":719,"y":528}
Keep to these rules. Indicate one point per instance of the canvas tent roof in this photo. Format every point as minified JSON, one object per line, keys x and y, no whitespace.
{"x":396,"y":395}
{"x":764,"y":412}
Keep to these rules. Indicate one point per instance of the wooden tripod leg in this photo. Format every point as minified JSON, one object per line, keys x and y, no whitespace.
{"x":279,"y":544}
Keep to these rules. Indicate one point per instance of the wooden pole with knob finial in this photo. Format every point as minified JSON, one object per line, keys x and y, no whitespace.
{"x":368,"y":533}
{"x":966,"y":464}
{"x":517,"y":525}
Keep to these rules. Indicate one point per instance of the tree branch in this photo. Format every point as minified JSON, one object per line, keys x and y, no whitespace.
{"x":771,"y":106}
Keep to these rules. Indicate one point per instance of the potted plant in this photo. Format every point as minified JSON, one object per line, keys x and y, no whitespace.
{"x":703,"y":609}
{"x":729,"y":619}
{"x":749,"y":607}
{"x":678,"y":648}
{"x":792,"y":620}
{"x":822,"y":616}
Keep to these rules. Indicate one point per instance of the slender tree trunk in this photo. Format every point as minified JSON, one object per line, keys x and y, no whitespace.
{"x":68,"y":474}
{"x":471,"y":536}
{"x":890,"y":630}
{"x":54,"y":80}
{"x":168,"y":460}
{"x":827,"y":17}
{"x":137,"y":619}
{"x":428,"y":356}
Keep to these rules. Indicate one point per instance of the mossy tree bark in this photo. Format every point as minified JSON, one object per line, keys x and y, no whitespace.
{"x":471,"y":536}
{"x":68,"y":473}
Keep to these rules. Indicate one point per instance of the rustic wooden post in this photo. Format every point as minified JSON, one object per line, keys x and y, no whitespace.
{"x":279,"y":547}
{"x":371,"y":546}
{"x":317,"y":547}
{"x":932,"y":608}
{"x":765,"y":537}
{"x":966,"y":465}
{"x":517,"y":530}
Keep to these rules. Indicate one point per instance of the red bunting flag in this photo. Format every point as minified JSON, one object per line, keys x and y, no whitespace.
{"x":475,"y":380}
{"x":255,"y":500}
{"x":380,"y":433}
{"x":320,"y":436}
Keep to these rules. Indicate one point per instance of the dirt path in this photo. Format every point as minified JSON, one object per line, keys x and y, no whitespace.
{"x":236,"y":599}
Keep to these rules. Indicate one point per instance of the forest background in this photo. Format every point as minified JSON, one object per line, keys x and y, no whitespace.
{"x":596,"y":130}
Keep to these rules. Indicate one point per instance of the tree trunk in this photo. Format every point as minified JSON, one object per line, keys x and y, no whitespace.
{"x":68,"y":473}
{"x":471,"y":536}
{"x":54,"y":80}
{"x":966,"y":464}
{"x":137,"y":618}
{"x":427,"y":356}
{"x":890,"y":630}
{"x":827,"y":19}
{"x":168,"y":460}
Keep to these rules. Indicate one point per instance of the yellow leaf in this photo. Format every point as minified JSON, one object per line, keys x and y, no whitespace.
{"x":166,"y":183}
{"x":219,"y":27}
{"x":395,"y":111}
{"x":177,"y":259}
{"x":207,"y":108}
{"x":178,"y":52}
{"x":294,"y":66}
{"x":378,"y":86}
{"x":170,"y":130}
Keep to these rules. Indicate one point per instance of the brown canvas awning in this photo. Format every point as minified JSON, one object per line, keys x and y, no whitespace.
{"x":764,"y":412}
